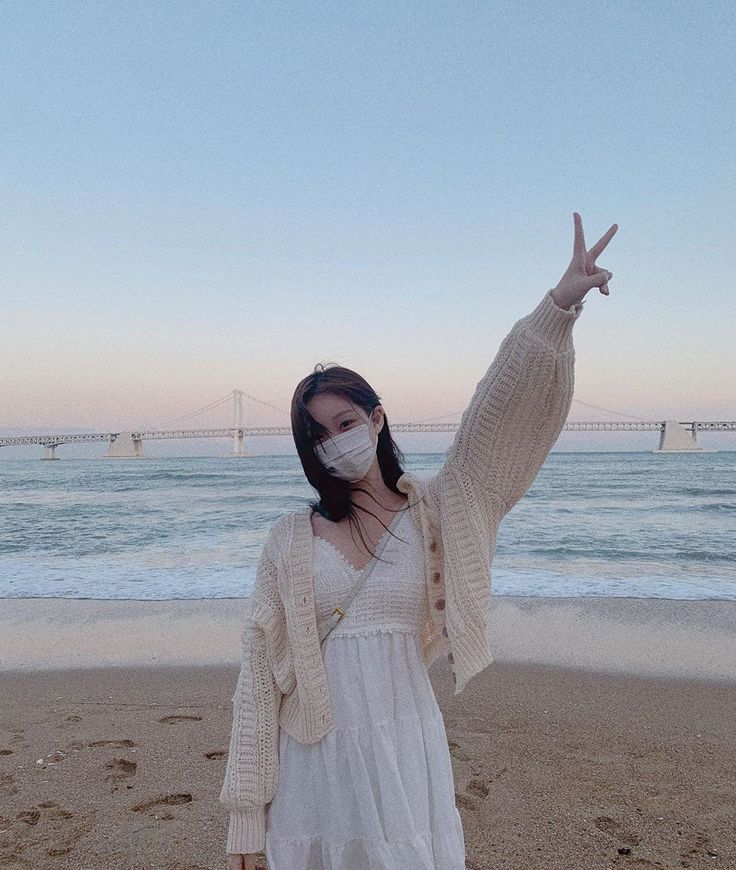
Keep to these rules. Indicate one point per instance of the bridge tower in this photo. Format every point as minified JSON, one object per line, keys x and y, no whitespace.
{"x":125,"y":446}
{"x":238,"y":433}
{"x":675,"y":438}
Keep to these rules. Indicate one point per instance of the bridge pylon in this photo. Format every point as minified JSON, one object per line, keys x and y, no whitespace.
{"x":675,"y":438}
{"x":239,"y":445}
{"x":239,"y":450}
{"x":125,"y":446}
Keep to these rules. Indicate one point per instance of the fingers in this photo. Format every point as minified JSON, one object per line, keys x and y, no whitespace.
{"x":578,"y":251}
{"x":600,"y":245}
{"x":589,"y":257}
{"x":600,"y":280}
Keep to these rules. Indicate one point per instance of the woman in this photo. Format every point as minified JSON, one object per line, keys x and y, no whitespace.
{"x":349,"y":729}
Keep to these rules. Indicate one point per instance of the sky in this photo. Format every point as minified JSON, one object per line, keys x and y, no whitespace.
{"x":207,"y":196}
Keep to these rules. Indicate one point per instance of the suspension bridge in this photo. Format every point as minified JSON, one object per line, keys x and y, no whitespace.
{"x":675,"y":436}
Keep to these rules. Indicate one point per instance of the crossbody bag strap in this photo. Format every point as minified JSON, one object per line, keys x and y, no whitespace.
{"x":337,"y":614}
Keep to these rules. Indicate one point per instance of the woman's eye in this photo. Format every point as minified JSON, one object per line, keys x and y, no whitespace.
{"x":345,"y":421}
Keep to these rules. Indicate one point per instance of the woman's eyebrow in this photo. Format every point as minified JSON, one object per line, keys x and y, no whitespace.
{"x":341,"y":413}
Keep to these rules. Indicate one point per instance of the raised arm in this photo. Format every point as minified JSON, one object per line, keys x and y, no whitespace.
{"x":520,"y":405}
{"x":517,"y":410}
{"x":252,"y":770}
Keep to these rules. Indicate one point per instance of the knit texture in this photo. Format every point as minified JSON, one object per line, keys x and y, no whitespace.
{"x":515,"y":416}
{"x":383,"y":603}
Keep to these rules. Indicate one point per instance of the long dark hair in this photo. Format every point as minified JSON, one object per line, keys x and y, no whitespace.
{"x":335,"y":502}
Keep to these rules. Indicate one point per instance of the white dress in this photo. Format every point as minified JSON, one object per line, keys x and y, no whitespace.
{"x":377,"y":792}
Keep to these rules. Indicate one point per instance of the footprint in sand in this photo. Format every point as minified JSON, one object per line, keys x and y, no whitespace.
{"x":120,"y":768}
{"x":474,"y":789}
{"x":18,"y":735}
{"x":168,"y":719}
{"x":477,"y":788}
{"x":616,"y":829}
{"x":457,"y":752}
{"x":68,"y":832}
{"x":215,"y":754}
{"x":169,"y":799}
{"x":115,"y":744}
{"x":7,"y":784}
{"x":59,"y":826}
{"x":51,"y":810}
{"x":698,"y":843}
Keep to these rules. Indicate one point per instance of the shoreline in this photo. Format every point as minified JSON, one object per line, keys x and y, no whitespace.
{"x":692,"y":639}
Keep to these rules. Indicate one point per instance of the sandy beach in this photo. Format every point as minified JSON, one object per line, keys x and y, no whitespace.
{"x":601,"y":737}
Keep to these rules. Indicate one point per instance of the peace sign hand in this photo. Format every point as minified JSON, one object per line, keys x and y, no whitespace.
{"x":582,"y":274}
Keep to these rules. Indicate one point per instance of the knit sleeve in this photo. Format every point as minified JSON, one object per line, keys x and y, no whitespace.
{"x":252,"y":770}
{"x":517,"y":411}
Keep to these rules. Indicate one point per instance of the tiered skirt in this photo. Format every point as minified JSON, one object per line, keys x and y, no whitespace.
{"x":377,"y":792}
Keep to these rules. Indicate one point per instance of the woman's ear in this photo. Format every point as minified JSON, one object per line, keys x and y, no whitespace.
{"x":381,"y":420}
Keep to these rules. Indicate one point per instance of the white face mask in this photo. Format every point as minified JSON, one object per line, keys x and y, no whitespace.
{"x":350,"y":454}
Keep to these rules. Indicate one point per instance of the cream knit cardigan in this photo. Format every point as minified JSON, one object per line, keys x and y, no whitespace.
{"x":512,"y":422}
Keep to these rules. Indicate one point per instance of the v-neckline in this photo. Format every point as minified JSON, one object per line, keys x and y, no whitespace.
{"x":379,"y":546}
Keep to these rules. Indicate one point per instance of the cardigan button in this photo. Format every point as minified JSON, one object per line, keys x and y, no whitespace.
{"x":433,"y":545}
{"x":436,"y":577}
{"x":440,"y":604}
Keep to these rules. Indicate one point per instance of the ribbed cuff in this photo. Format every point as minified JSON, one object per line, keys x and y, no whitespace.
{"x":552,"y":323}
{"x":247,"y":831}
{"x":471,"y":654}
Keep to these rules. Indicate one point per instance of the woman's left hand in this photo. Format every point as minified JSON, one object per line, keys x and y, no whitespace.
{"x":582,"y":274}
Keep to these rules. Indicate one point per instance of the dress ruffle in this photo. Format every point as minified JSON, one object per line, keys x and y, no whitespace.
{"x":418,"y":853}
{"x":377,"y":791}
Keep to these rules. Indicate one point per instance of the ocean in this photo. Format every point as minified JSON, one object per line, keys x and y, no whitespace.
{"x":627,"y":524}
